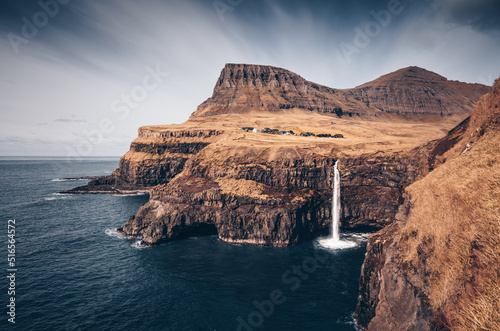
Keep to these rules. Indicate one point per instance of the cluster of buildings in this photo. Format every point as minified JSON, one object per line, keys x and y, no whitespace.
{"x":269,"y":131}
{"x":289,"y":132}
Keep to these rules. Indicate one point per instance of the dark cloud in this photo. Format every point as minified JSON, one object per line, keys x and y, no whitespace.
{"x":93,"y":51}
{"x":483,"y":15}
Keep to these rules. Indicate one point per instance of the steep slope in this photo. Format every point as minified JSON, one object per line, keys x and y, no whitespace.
{"x":409,"y":93}
{"x":413,"y":91}
{"x":270,"y":194}
{"x":438,"y":266}
{"x":155,"y":157}
{"x":242,"y":88}
{"x":256,"y":188}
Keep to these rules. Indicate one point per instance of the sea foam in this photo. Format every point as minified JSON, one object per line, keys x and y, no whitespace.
{"x":114,"y":234}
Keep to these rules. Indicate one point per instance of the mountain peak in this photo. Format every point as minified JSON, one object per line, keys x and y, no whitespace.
{"x":410,"y":92}
{"x":257,"y":76}
{"x":408,"y":74}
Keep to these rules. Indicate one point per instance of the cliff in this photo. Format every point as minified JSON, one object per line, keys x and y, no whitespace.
{"x":408,"y":93}
{"x":274,"y":190}
{"x":437,"y":267}
{"x":255,"y":188}
{"x":269,"y":196}
{"x":154,"y":158}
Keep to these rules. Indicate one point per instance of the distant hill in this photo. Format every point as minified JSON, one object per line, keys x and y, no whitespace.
{"x":411,"y":93}
{"x":208,"y":175}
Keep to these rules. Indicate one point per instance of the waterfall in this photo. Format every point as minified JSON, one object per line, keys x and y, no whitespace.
{"x":336,"y":204}
{"x":333,"y":242}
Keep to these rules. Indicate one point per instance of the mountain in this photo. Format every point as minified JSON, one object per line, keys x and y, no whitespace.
{"x":407,"y":168}
{"x":437,"y":266}
{"x":207,"y":175}
{"x":411,"y":92}
{"x":414,"y":91}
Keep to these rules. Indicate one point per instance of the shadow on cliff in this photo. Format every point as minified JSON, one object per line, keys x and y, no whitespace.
{"x":437,"y":267}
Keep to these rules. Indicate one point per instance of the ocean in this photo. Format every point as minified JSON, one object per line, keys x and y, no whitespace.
{"x":72,"y":271}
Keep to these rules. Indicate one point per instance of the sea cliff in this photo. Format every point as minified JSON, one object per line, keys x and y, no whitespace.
{"x":437,"y":266}
{"x":207,"y":175}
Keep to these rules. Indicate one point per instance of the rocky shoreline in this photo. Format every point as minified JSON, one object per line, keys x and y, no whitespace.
{"x":211,"y":177}
{"x":267,"y":190}
{"x":266,"y":203}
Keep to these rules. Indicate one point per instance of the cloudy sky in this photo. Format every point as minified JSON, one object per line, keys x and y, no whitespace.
{"x":68,"y":67}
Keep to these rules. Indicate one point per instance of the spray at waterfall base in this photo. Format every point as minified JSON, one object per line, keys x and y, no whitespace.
{"x":334,"y":241}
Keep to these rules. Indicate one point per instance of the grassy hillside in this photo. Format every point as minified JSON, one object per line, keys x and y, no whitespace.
{"x":453,"y":228}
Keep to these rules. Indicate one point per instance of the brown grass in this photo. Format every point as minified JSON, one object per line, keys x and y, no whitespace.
{"x":480,"y":312}
{"x":453,"y":231}
{"x":361,"y":135}
{"x":241,"y":187}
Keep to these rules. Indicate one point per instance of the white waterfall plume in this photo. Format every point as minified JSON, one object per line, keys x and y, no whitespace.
{"x":336,"y":204}
{"x":334,"y":242}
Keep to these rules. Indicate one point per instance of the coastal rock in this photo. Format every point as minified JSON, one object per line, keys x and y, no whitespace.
{"x":192,"y":206}
{"x":436,"y":267}
{"x":272,"y":203}
{"x":262,"y":189}
{"x":154,"y":158}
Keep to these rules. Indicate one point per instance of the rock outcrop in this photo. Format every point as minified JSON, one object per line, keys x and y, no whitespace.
{"x":155,"y":157}
{"x":206,"y":175}
{"x":249,"y":199}
{"x":409,"y":93}
{"x":372,"y":188}
{"x":437,"y":267}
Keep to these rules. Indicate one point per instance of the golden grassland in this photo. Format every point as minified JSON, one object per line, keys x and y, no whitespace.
{"x":361,"y":135}
{"x":240,"y":187}
{"x":455,"y":225}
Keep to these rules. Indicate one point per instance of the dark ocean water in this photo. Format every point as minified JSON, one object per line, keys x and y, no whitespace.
{"x":75,"y":273}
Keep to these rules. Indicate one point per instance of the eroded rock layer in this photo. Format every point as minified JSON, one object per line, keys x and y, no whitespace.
{"x":437,"y":267}
{"x":254,"y":188}
{"x":411,"y":92}
{"x":249,"y":198}
{"x":154,"y":158}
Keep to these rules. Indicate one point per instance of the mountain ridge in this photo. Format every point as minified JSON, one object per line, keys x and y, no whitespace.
{"x":408,"y":93}
{"x":438,"y":263}
{"x":269,"y":189}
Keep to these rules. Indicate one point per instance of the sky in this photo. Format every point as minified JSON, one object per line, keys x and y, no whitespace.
{"x":79,"y":77}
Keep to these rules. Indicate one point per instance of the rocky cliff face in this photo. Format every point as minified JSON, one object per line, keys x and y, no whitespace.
{"x":155,"y":157}
{"x":372,"y":188}
{"x":242,"y":88}
{"x":205,"y":175}
{"x":388,"y":298}
{"x":437,"y":266}
{"x":410,"y":93}
{"x":247,"y":198}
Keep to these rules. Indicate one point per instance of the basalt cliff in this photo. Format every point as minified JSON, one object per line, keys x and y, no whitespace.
{"x":437,"y":266}
{"x":209,"y":176}
{"x":411,"y":92}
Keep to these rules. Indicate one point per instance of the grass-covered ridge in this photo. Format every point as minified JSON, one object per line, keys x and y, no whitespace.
{"x":453,"y":229}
